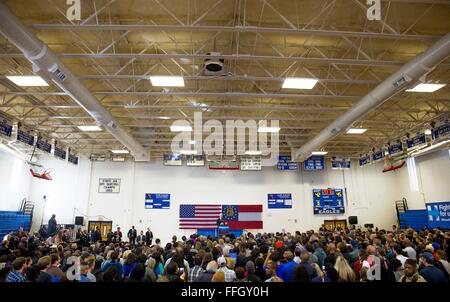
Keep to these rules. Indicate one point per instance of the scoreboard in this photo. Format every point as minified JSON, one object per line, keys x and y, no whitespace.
{"x":328,"y":201}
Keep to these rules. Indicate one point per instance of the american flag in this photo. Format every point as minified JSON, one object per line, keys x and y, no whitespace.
{"x":195,"y":216}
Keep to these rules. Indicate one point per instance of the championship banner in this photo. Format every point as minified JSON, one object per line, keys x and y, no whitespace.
{"x":313,"y":163}
{"x":340,"y":163}
{"x":285,"y":163}
{"x":328,"y":201}
{"x":24,"y":135}
{"x":395,"y":148}
{"x":157,"y":201}
{"x":72,"y":158}
{"x":172,"y":160}
{"x":279,"y":201}
{"x":441,"y":132}
{"x":364,"y":160}
{"x":250,"y":163}
{"x":109,"y":185}
{"x":377,"y":155}
{"x":60,"y":151}
{"x":439,"y":215}
{"x":6,"y":124}
{"x":416,"y":141}
{"x":195,"y":160}
{"x":43,"y":144}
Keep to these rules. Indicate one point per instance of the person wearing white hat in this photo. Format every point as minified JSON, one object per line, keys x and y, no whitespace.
{"x":230,"y":275}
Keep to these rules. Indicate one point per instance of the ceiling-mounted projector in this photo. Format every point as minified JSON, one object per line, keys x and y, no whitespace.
{"x":214,"y":65}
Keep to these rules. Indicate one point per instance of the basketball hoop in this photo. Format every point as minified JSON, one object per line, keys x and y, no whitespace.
{"x":39,"y":171}
{"x":389,"y":165}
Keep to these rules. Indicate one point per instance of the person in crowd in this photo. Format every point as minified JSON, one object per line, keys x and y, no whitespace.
{"x":96,"y":235}
{"x":218,"y":277}
{"x":19,"y":268}
{"x":288,"y":267}
{"x":148,"y":237}
{"x":8,"y":236}
{"x":398,"y":253}
{"x":113,"y":263}
{"x":132,"y":234}
{"x":428,"y":270}
{"x":229,"y":274}
{"x":51,"y":229}
{"x":304,"y":257}
{"x":272,"y":273}
{"x":330,"y":275}
{"x":140,"y":239}
{"x":345,"y":272}
{"x":129,"y":265}
{"x":410,"y":272}
{"x":206,"y":276}
{"x":86,"y":268}
{"x":250,"y":272}
{"x":396,"y":266}
{"x":300,"y":274}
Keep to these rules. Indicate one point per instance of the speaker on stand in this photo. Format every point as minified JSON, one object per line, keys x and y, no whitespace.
{"x":353,"y":220}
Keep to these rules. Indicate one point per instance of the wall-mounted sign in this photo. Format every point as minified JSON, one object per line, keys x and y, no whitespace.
{"x":340,"y":163}
{"x":172,"y":160}
{"x":377,"y":155}
{"x":328,"y":201}
{"x":285,"y":163}
{"x":157,"y":201}
{"x":416,"y":141}
{"x":279,"y":201}
{"x":43,"y":145}
{"x":315,"y":162}
{"x":24,"y":136}
{"x":395,"y":148}
{"x":250,"y":163}
{"x":60,"y":152}
{"x":439,"y":215}
{"x":73,"y":159}
{"x":109,"y":185}
{"x":441,"y":131}
{"x":6,"y":124}
{"x":195,"y":160}
{"x":364,"y":160}
{"x":223,"y":165}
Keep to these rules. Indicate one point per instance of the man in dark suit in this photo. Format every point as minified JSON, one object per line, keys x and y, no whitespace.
{"x":52,"y":226}
{"x":117,"y":238}
{"x":132,"y":234}
{"x":141,"y":239}
{"x":96,"y":236}
{"x":148,"y":237}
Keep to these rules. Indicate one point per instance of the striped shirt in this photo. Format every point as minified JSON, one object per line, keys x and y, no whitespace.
{"x":195,"y":272}
{"x":15,"y":276}
{"x":230,"y":275}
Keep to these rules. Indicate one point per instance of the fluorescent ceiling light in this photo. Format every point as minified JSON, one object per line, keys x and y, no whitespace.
{"x":426,"y":88}
{"x":120,"y":151}
{"x":27,"y":80}
{"x":269,"y":129}
{"x":319,"y":152}
{"x":299,"y":83}
{"x":164,"y":118}
{"x":167,"y":81}
{"x":356,"y":131}
{"x":192,"y":142}
{"x":180,"y":128}
{"x":89,"y":128}
{"x":253,"y":152}
{"x":428,"y":132}
{"x":188,"y":152}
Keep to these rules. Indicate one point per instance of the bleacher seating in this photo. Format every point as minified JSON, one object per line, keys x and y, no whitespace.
{"x":417,"y":219}
{"x":12,"y":220}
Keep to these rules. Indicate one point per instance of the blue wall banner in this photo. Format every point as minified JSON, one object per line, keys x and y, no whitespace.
{"x":25,"y":137}
{"x":73,"y":159}
{"x":44,"y":145}
{"x":439,"y":215}
{"x":60,"y":153}
{"x":441,"y":131}
{"x":157,"y":201}
{"x":395,"y":148}
{"x":328,"y":201}
{"x":6,"y":123}
{"x":364,"y":160}
{"x":285,"y":163}
{"x":315,"y":162}
{"x":279,"y":201}
{"x":416,"y":141}
{"x":377,"y":155}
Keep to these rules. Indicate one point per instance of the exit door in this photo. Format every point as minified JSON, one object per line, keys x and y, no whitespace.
{"x":104,"y":226}
{"x":333,"y":224}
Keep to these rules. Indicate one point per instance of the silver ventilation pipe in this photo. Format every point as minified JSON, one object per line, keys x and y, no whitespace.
{"x":409,"y":74}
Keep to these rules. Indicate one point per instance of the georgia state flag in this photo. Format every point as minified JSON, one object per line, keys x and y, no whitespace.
{"x":243,"y":216}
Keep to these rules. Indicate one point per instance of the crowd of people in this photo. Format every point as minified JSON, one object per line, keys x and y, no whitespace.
{"x":343,"y":255}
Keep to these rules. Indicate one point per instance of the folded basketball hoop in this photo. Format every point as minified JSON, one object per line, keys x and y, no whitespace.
{"x":39,"y":171}
{"x":389,"y":165}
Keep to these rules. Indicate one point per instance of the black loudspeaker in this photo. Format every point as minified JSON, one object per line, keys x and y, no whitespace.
{"x":369,"y":225}
{"x":78,"y":220}
{"x":353,"y":219}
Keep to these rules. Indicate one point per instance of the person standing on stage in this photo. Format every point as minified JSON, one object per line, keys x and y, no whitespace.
{"x":141,"y":239}
{"x":52,"y":225}
{"x":96,"y":236}
{"x":148,"y":237}
{"x":117,"y":236}
{"x":132,"y":234}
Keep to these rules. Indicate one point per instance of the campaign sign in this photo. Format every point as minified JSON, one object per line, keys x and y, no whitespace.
{"x":395,"y":148}
{"x":43,"y":145}
{"x":441,"y":131}
{"x":328,"y":201}
{"x":364,"y":160}
{"x":285,"y":163}
{"x":157,"y":201}
{"x":279,"y":201}
{"x":439,"y":215}
{"x":315,"y":162}
{"x":416,"y":141}
{"x":25,"y":137}
{"x":60,"y":153}
{"x":377,"y":155}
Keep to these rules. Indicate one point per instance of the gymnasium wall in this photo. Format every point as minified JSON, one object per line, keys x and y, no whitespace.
{"x":74,"y":191}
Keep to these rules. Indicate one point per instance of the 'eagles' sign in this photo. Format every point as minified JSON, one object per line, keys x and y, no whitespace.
{"x":109,"y":185}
